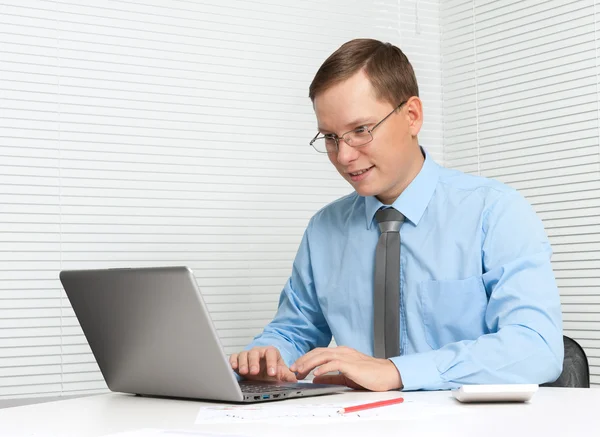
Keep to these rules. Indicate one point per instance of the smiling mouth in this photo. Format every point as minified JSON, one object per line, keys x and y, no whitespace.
{"x":358,"y":173}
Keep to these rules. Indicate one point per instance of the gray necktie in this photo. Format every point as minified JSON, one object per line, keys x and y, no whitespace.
{"x":386,"y":296}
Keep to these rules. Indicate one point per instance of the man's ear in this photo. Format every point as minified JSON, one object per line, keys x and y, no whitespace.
{"x":414,"y":111}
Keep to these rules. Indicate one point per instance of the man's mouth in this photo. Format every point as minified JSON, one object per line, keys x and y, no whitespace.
{"x":358,"y":173}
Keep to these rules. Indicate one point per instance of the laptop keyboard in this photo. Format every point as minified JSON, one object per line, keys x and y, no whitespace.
{"x":257,"y":387}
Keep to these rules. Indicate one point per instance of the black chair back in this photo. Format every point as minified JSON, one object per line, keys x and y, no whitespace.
{"x":576,"y":370}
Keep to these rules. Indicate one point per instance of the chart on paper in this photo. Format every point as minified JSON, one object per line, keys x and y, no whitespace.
{"x":316,"y":413}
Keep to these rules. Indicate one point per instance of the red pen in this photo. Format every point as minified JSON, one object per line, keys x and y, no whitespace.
{"x":385,"y":403}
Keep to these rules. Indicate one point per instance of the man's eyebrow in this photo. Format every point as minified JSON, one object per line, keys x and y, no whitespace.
{"x":352,"y":125}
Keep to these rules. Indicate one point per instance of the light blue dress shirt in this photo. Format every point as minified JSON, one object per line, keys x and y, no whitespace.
{"x":479,"y":302}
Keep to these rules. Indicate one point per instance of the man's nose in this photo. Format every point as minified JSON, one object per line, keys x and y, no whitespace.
{"x":345,"y":153}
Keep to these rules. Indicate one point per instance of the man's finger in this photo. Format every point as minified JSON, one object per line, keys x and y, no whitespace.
{"x":338,"y":379}
{"x":285,"y":375}
{"x":254,"y":361}
{"x":271,"y":358}
{"x":301,"y":362}
{"x":233,"y":360}
{"x":332,"y":366}
{"x":304,"y":367}
{"x":243,"y":363}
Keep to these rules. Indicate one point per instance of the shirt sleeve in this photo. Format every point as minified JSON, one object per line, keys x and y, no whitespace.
{"x":523,"y":316}
{"x":299,"y":325}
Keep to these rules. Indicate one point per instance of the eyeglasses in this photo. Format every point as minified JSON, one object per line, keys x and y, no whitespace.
{"x":329,"y":143}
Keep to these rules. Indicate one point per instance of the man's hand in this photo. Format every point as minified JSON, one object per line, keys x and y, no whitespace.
{"x":357,"y":370}
{"x":261,"y":364}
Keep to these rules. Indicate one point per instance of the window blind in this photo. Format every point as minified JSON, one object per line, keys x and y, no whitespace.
{"x":146,"y":133}
{"x":521,"y":104}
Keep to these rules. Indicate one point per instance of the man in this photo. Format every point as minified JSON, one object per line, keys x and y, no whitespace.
{"x":475,"y":297}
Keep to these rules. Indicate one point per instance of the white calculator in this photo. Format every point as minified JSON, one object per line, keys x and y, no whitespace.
{"x":495,"y":392}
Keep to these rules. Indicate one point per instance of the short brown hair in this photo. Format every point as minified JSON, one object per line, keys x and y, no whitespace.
{"x":388,"y":69}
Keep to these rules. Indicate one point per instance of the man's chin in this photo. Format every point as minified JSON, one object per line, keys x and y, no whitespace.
{"x":365,"y":191}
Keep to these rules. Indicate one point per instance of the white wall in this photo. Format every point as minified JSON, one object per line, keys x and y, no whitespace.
{"x":146,"y":133}
{"x":521,"y":105}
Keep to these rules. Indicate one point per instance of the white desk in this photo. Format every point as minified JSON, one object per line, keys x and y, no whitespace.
{"x":552,"y":412}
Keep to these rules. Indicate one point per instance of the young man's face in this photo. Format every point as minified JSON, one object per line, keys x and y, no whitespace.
{"x":392,"y":159}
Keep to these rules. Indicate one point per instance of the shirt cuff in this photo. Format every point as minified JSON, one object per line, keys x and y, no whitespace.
{"x":419,"y":371}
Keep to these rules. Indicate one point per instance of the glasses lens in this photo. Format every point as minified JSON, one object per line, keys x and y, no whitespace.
{"x":325,"y":145}
{"x":358,"y":137}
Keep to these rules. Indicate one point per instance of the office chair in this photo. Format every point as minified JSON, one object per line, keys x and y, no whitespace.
{"x":576,"y":370}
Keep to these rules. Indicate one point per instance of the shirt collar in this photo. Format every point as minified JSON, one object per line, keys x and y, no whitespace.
{"x":414,"y":199}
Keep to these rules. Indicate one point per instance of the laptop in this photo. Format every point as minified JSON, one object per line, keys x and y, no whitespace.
{"x":151,"y":334}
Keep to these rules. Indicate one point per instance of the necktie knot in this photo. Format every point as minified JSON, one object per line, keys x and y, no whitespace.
{"x":389,"y":220}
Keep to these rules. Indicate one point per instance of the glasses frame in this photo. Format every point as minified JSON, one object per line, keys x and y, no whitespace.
{"x":337,"y":139}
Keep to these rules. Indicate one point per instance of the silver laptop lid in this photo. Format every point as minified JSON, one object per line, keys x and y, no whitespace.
{"x":151,"y":332}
